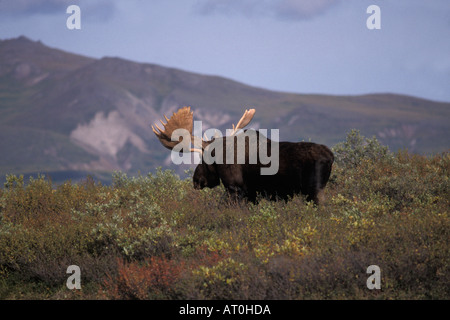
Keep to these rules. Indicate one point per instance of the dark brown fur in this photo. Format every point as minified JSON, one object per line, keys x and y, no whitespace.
{"x":304,"y":168}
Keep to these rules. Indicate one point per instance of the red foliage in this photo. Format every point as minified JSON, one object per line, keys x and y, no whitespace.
{"x":208,"y":258}
{"x":155,"y":278}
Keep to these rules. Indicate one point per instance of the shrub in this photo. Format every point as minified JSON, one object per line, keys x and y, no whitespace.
{"x":357,"y":148}
{"x":154,"y":278}
{"x":155,"y":237}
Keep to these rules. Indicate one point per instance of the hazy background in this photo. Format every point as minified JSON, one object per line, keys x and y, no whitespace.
{"x":320,"y":46}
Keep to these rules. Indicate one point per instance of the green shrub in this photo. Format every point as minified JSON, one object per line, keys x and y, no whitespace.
{"x":155,"y":237}
{"x":357,"y":148}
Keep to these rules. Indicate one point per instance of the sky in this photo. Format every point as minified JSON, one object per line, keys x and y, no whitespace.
{"x":300,"y":46}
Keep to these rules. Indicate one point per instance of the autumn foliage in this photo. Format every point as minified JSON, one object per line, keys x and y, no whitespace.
{"x":155,"y":237}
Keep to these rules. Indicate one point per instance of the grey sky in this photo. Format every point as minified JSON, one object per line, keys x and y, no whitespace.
{"x":320,"y":46}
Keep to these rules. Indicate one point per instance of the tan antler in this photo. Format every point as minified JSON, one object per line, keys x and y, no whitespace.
{"x":245,"y":120}
{"x":182,"y":119}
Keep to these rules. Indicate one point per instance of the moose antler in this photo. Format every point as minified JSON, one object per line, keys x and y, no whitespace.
{"x":182,"y":119}
{"x":245,"y":120}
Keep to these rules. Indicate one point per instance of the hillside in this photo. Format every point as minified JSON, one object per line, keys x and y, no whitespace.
{"x":66,"y":115}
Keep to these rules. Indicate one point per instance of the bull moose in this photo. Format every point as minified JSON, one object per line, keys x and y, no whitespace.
{"x":301,"y":167}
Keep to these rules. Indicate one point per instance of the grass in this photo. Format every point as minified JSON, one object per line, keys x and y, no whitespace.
{"x":155,"y":237}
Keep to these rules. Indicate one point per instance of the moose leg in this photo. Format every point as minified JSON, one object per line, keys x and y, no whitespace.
{"x":313,"y":195}
{"x":318,"y":181}
{"x":236,"y":193}
{"x":312,"y":183}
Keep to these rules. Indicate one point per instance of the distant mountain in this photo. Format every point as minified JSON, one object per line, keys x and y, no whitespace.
{"x":65,"y":115}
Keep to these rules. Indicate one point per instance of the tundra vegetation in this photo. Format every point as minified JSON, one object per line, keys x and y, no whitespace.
{"x":156,"y":237}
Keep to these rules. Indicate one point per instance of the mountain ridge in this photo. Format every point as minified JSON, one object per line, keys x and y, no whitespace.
{"x":61,"y":111}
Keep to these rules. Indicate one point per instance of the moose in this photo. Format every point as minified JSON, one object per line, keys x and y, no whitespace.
{"x":302,"y":167}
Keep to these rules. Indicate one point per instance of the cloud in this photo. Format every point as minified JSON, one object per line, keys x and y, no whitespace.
{"x":246,"y":7}
{"x":280,"y":9}
{"x":302,"y":9}
{"x":26,"y":7}
{"x":98,"y":10}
